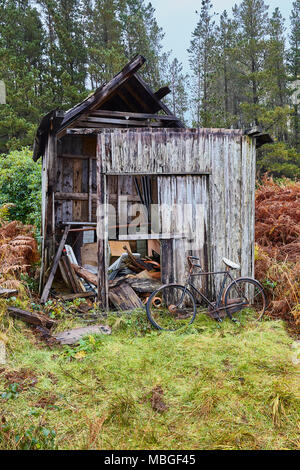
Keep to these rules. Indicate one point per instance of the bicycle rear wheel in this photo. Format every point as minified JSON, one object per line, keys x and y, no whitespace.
{"x":171,"y":307}
{"x":245,"y":293}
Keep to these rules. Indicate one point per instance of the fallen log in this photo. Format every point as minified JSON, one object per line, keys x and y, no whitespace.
{"x":85,"y":274}
{"x":30,"y":317}
{"x":6,"y":293}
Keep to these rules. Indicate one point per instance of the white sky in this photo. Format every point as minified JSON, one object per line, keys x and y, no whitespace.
{"x":178,"y":20}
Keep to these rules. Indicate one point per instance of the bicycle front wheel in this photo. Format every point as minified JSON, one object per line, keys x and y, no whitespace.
{"x":245,"y":294}
{"x":171,"y":307}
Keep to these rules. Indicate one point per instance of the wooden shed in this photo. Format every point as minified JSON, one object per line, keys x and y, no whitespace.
{"x":122,"y":149}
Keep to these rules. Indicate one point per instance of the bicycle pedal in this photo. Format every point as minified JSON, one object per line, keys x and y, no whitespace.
{"x":219,"y":320}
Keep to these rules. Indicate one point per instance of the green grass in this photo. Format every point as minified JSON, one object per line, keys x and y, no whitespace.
{"x":225,"y":386}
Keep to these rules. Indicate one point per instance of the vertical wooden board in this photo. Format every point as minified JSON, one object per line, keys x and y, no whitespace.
{"x":59,"y":179}
{"x":89,"y":178}
{"x":67,"y":187}
{"x":236,"y":233}
{"x":51,"y":187}
{"x":217,"y":206}
{"x":77,"y":188}
{"x":232,"y":150}
{"x":86,"y":206}
{"x":102,"y":226}
{"x":187,"y":192}
{"x":112,"y":191}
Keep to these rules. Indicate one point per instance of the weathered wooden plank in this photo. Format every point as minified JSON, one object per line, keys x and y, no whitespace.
{"x":152,"y":151}
{"x":89,"y":254}
{"x":77,"y":157}
{"x":30,"y":317}
{"x":162,"y":117}
{"x":102,"y":236}
{"x":60,"y":196}
{"x":124,"y":298}
{"x":85,"y":274}
{"x":145,"y":286}
{"x":6,"y":293}
{"x":81,"y":295}
{"x":95,"y":122}
{"x":77,"y":187}
{"x":73,"y":280}
{"x":74,"y":336}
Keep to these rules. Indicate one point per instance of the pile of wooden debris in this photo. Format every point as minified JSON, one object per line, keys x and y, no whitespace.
{"x":132,"y":278}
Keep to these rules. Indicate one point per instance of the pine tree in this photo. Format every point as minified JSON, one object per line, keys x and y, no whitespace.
{"x":22,"y":69}
{"x":202,"y":53}
{"x":294,"y":70}
{"x":252,"y":18}
{"x":275,"y":61}
{"x":275,"y":114}
{"x":142,"y":35}
{"x":228,"y":88}
{"x":177,"y":80}
{"x":103,"y":38}
{"x":66,"y":50}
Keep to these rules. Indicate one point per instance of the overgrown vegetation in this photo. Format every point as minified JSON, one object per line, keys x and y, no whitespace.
{"x":277,"y":233}
{"x":20,"y":186}
{"x":210,"y":387}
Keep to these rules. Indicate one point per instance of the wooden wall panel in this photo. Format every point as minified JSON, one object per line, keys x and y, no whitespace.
{"x":76,"y":173}
{"x":159,"y":151}
{"x":225,"y":157}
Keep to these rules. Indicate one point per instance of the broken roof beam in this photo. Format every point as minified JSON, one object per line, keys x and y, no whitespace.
{"x":162,"y":92}
{"x":159,"y":103}
{"x":98,"y":122}
{"x":104,"y":93}
{"x":161,"y":117}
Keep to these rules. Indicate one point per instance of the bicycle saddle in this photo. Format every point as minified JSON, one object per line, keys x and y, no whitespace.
{"x":231,"y":264}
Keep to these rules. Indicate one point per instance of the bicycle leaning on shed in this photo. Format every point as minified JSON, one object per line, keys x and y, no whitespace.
{"x":174,"y":306}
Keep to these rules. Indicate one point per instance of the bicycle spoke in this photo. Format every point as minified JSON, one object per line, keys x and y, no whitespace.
{"x":250,"y":290}
{"x":171,"y":308}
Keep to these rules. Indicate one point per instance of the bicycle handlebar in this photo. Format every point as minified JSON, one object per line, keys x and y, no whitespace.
{"x":191,"y":264}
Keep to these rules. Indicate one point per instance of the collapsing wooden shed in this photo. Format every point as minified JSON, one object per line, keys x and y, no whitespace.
{"x":121,"y":162}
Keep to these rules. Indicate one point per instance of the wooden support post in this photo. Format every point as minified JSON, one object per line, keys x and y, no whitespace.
{"x":90,"y":180}
{"x":49,"y":282}
{"x":102,"y":229}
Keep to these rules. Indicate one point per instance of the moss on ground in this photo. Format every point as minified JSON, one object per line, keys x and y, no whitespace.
{"x":227,"y":386}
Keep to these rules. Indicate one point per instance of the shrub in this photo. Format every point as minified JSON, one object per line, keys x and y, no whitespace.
{"x":20,"y":185}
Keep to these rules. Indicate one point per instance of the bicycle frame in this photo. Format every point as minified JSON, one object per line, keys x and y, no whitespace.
{"x":226,"y":276}
{"x":216,"y":307}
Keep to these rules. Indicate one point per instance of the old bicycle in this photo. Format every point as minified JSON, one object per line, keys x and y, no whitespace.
{"x":174,"y":306}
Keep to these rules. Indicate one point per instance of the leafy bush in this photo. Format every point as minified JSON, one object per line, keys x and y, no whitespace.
{"x":20,"y":185}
